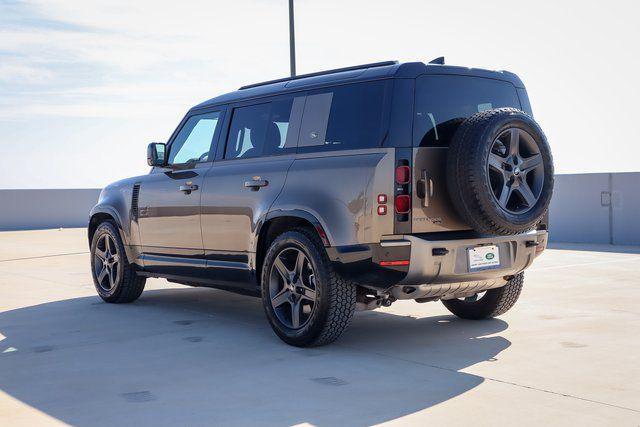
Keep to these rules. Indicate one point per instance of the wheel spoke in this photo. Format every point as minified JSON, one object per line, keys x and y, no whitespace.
{"x":527,"y":194}
{"x":112,"y":277}
{"x":103,"y":273}
{"x":514,"y":142}
{"x":280,"y":298}
{"x":100,"y":254}
{"x":107,"y":244}
{"x":309,"y":294}
{"x":496,"y":162}
{"x":282,"y":270}
{"x":505,"y":195}
{"x":115,"y":258}
{"x":295,"y":314}
{"x":531,"y":162}
{"x":300,"y":263}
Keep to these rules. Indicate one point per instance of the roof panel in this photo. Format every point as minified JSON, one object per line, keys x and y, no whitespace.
{"x":404,"y":70}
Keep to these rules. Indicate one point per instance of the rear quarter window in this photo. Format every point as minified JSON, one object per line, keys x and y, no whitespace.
{"x":344,"y":117}
{"x":443,"y":102}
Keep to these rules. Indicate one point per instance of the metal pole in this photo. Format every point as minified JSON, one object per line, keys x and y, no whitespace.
{"x":292,"y":41}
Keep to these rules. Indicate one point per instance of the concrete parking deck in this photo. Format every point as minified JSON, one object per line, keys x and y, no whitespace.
{"x":568,"y":353}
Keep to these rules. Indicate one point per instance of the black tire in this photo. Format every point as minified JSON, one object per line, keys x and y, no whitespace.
{"x":126,"y":286}
{"x":493,"y":303}
{"x":335,"y":297}
{"x":471,"y":176}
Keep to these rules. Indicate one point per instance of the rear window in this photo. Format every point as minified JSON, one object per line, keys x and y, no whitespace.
{"x":343,"y":118}
{"x":443,"y":102}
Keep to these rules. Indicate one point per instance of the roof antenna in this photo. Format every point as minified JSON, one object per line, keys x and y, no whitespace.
{"x":439,"y":60}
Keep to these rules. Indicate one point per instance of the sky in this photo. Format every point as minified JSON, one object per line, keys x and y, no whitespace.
{"x":86,"y":85}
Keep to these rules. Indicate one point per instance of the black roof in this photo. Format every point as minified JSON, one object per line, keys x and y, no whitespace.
{"x":375,"y":71}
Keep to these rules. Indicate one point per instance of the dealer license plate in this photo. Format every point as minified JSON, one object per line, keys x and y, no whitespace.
{"x":483,"y":257}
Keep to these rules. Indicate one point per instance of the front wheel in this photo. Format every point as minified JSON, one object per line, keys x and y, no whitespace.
{"x":493,"y":303}
{"x":306,"y":302}
{"x":114,"y":277}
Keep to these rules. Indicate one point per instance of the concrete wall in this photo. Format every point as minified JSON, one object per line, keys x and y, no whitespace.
{"x":596,"y":208}
{"x":33,"y":209}
{"x":587,"y":208}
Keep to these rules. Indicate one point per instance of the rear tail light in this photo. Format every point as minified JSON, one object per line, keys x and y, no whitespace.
{"x":403,"y":174}
{"x":403,"y":204}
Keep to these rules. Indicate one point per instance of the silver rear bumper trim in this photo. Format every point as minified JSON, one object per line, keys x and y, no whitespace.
{"x":452,"y":265}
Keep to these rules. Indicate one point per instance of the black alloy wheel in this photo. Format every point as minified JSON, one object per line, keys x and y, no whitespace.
{"x":292,"y":288}
{"x":516,"y":171}
{"x":106,"y":263}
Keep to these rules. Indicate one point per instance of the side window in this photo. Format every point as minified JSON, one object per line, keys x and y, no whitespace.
{"x":265,"y":129}
{"x":284,"y":126}
{"x":248,"y":131}
{"x":344,"y":118}
{"x":193,"y":142}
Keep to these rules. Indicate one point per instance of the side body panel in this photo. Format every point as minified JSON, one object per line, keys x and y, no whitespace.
{"x":232,"y":212}
{"x":169,"y":218}
{"x":340,"y":189}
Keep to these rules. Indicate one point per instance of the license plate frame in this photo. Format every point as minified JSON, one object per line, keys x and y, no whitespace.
{"x":484,"y":257}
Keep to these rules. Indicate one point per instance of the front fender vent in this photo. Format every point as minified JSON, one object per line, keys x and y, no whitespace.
{"x":134,"y":201}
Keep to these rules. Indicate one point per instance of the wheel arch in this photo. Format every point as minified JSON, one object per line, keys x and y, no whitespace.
{"x":100,"y":214}
{"x":278,"y":221}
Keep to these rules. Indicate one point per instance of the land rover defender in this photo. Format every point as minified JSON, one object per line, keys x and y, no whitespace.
{"x":339,"y":190}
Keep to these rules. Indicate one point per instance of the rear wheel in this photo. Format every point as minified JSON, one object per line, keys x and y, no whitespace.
{"x":491,"y":303}
{"x":306,"y":302}
{"x":113,"y":276}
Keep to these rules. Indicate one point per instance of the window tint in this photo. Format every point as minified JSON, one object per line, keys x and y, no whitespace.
{"x":443,"y":102}
{"x":248,"y":131}
{"x":265,"y":129}
{"x":284,"y":126}
{"x":193,"y":142}
{"x":343,"y":118}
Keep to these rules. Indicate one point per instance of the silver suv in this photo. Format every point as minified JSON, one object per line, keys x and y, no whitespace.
{"x":339,"y":191}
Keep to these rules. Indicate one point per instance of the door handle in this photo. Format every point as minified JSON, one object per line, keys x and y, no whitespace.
{"x":425,"y":188}
{"x":256,"y":183}
{"x":188,"y":188}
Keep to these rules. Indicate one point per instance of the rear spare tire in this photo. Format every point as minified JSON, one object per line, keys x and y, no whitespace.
{"x":500,"y":172}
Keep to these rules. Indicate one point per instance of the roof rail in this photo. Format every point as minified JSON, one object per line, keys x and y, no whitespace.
{"x":321,"y":73}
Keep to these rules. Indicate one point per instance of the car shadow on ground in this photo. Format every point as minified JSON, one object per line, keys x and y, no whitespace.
{"x":192,"y":356}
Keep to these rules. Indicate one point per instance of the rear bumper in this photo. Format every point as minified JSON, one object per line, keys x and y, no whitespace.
{"x":436,"y":268}
{"x":446,"y":261}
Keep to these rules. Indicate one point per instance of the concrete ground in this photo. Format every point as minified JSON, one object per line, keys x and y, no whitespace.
{"x":568,"y":353}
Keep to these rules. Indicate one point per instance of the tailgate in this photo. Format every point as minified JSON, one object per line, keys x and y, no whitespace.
{"x":432,"y":210}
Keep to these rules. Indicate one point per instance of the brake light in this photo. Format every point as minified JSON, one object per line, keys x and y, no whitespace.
{"x":403,"y":174}
{"x":403,"y":204}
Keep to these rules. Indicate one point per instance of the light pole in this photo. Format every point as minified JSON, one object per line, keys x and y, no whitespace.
{"x":292,"y":41}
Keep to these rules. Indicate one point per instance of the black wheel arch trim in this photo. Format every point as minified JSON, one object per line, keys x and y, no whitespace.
{"x":297,"y":213}
{"x":113,"y":213}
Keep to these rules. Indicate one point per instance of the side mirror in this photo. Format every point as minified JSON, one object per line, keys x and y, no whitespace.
{"x":156,"y":154}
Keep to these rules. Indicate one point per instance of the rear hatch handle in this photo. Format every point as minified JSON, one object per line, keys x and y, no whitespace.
{"x":424,"y":188}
